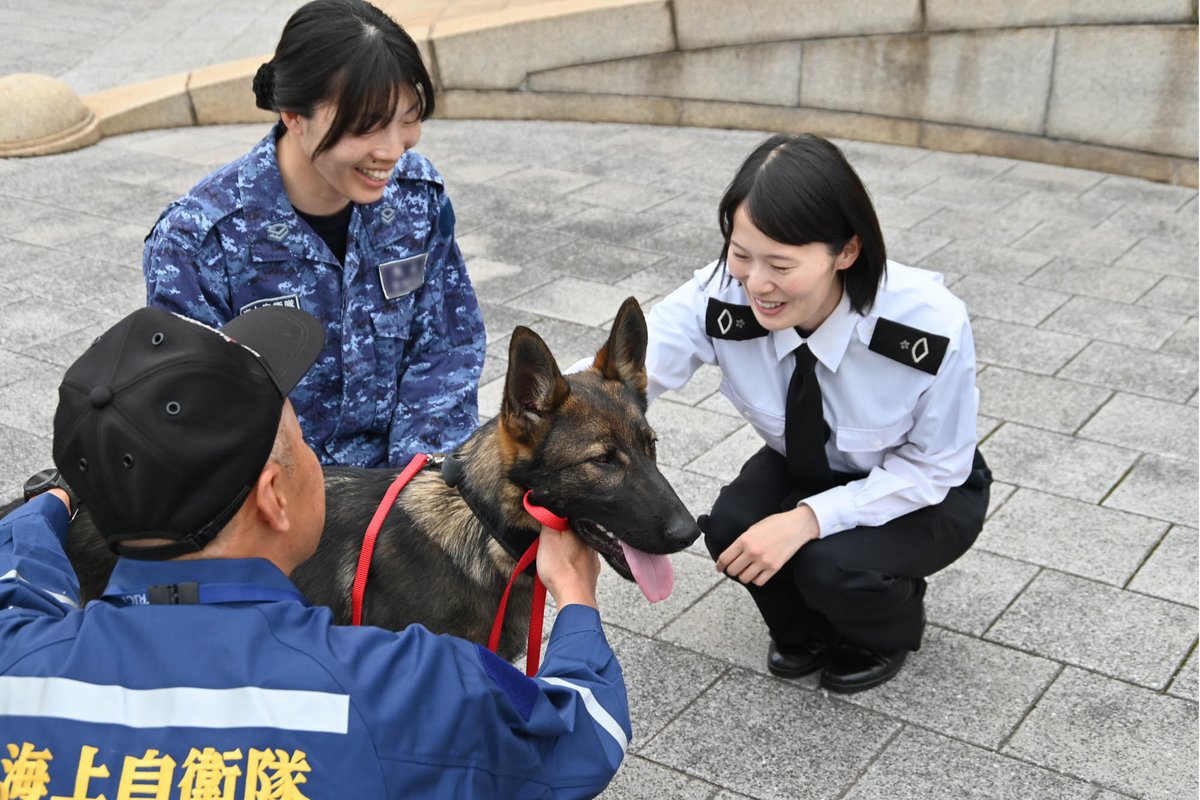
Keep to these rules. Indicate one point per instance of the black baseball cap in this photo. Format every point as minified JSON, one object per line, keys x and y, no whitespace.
{"x":164,"y":424}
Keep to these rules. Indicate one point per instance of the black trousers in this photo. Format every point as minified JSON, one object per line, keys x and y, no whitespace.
{"x":865,"y":585}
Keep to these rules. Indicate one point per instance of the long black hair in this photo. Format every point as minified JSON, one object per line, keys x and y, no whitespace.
{"x":799,"y":188}
{"x":350,"y":53}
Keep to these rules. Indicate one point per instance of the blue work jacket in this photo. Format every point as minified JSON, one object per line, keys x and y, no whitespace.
{"x":251,"y":693}
{"x":404,"y":336}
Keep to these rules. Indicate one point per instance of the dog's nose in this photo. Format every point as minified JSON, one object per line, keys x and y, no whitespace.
{"x":683,"y":532}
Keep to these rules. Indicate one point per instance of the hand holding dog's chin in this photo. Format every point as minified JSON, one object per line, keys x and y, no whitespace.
{"x":568,"y":567}
{"x":760,"y":552}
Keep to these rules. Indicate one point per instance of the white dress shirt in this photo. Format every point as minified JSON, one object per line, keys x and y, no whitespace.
{"x":911,"y":433}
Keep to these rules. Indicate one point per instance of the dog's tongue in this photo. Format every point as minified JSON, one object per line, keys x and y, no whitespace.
{"x":654,"y":574}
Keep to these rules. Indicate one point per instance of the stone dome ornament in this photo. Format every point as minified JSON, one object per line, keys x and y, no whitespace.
{"x":40,"y":115}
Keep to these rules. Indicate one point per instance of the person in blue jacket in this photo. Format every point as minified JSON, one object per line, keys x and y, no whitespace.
{"x":202,"y":672}
{"x":334,"y":213}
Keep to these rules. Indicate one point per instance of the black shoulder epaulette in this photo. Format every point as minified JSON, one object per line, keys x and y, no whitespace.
{"x":728,"y":321}
{"x":910,"y":346}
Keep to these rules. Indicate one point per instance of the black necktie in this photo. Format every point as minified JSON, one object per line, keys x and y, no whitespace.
{"x":805,"y":431}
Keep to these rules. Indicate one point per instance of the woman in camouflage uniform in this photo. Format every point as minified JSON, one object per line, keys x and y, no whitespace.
{"x":332,"y":212}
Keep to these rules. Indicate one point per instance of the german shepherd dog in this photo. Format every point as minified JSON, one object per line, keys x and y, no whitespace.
{"x":445,"y":553}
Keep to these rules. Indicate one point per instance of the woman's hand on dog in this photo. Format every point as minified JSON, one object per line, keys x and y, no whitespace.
{"x":760,"y":552}
{"x":568,"y":567}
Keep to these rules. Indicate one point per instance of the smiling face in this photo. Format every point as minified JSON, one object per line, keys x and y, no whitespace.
{"x":789,"y":286}
{"x":355,"y":169}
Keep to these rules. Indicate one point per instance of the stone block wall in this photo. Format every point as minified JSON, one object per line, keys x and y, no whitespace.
{"x":1104,"y":84}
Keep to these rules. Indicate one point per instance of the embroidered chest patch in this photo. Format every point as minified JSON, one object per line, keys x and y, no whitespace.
{"x":910,"y":346}
{"x":401,"y":277}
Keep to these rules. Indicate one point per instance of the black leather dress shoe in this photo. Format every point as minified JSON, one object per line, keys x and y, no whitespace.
{"x":795,"y":662}
{"x":853,"y":669}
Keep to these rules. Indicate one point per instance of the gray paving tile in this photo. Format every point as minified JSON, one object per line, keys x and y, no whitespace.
{"x":663,"y":277}
{"x":511,"y":243}
{"x":1064,"y":181}
{"x":476,"y":204}
{"x":593,"y":260}
{"x":919,"y":765}
{"x":610,"y":225}
{"x":912,"y":246}
{"x":61,"y":351}
{"x":1081,"y":212}
{"x":1173,"y":293}
{"x":696,"y":491}
{"x":15,"y":367}
{"x":1134,"y":192}
{"x":1125,"y":635}
{"x":1164,"y":488}
{"x":1008,"y":344}
{"x":705,"y":381}
{"x":984,"y":425}
{"x":1071,"y":240}
{"x":543,"y":180}
{"x":661,"y":680}
{"x":1184,"y":684}
{"x":90,"y":284}
{"x":975,"y":194}
{"x":497,"y":281}
{"x":698,"y":208}
{"x":575,"y":300}
{"x":724,"y":459}
{"x":803,"y":727}
{"x":1129,"y":369}
{"x":24,"y":454}
{"x":962,"y":687}
{"x":624,"y":604}
{"x":685,"y":433}
{"x":624,"y":195}
{"x":1146,"y":424}
{"x":1120,"y":736}
{"x":1038,"y":400}
{"x":32,"y":322}
{"x":29,"y":404}
{"x":1171,"y":572}
{"x":1071,"y":536}
{"x":1056,"y":463}
{"x":725,"y":624}
{"x":1094,"y":279}
{"x":1183,"y":341}
{"x":992,"y":297}
{"x":970,"y":594}
{"x":1161,"y":257}
{"x":642,"y":779}
{"x":1114,"y":322}
{"x":977,"y":226}
{"x":897,"y":213}
{"x":684,"y":239}
{"x":1000,"y":493}
{"x":1177,"y":231}
{"x":970,"y":257}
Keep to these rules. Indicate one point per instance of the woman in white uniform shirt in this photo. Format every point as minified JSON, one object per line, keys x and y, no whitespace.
{"x":835,"y":538}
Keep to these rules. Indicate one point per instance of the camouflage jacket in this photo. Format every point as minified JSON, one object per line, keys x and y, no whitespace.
{"x":404,"y":337}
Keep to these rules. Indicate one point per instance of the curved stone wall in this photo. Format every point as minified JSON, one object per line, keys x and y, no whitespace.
{"x":1103,"y":85}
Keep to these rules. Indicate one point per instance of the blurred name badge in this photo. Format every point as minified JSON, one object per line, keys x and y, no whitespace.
{"x":399,"y":278}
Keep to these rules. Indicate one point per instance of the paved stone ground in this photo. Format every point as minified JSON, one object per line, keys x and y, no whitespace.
{"x":1060,"y":660}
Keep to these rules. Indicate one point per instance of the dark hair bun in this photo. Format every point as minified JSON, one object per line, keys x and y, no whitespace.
{"x":264,"y":87}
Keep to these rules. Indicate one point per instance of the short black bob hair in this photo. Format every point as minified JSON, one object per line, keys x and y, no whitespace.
{"x":352,"y":54}
{"x":799,"y":188}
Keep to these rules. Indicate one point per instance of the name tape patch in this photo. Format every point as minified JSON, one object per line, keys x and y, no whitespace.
{"x":287,"y":301}
{"x":403,"y":276}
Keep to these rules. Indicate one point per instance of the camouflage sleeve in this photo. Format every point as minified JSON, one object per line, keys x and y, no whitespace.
{"x":437,"y":400}
{"x":186,"y":279}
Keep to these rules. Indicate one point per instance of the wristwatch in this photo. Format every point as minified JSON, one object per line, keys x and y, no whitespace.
{"x":50,"y":479}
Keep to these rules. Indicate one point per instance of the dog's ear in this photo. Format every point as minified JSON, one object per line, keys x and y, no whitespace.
{"x":623,"y":357}
{"x":534,"y":388}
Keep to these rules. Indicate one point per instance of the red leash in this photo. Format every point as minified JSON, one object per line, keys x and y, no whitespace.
{"x":534,"y":650}
{"x":368,"y":545}
{"x":542,"y":515}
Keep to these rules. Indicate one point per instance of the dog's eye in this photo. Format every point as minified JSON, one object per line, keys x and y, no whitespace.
{"x":603,"y":458}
